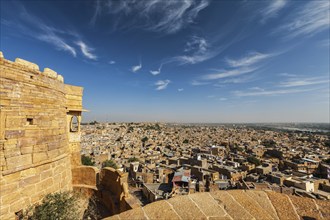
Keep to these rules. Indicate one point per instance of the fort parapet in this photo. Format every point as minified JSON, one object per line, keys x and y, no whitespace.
{"x":40,"y":142}
{"x":39,"y":134}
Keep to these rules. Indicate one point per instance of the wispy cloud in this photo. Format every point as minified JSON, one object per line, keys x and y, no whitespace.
{"x":97,"y":11}
{"x":237,"y":67}
{"x":154,"y":15}
{"x":112,"y":62}
{"x":228,"y":73}
{"x":198,"y":83}
{"x":61,"y":38}
{"x":196,"y":50}
{"x":162,"y":84}
{"x":180,"y":90}
{"x":199,"y":49}
{"x":250,"y":59}
{"x":223,"y":99}
{"x":86,"y":50}
{"x":59,"y":43}
{"x":307,"y":20}
{"x":294,"y":82}
{"x":137,"y":67}
{"x":156,"y":72}
{"x":34,"y":27}
{"x":269,"y":92}
{"x":272,"y":9}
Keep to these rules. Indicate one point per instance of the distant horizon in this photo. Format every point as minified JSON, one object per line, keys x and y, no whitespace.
{"x":164,"y":122}
{"x":181,"y":61}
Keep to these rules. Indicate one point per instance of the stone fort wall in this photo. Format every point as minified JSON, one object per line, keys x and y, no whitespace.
{"x":39,"y":142}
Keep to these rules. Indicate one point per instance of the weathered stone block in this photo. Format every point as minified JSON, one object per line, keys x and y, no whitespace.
{"x":14,"y":134}
{"x":44,"y":184}
{"x":27,"y":150}
{"x":60,"y":78}
{"x":17,"y":205}
{"x":10,"y":178}
{"x":50,"y":73}
{"x":27,"y":64}
{"x":46,"y":174}
{"x":38,"y":157}
{"x":18,"y":161}
{"x":28,"y":172}
{"x":10,"y":198}
{"x":8,"y":188}
{"x":29,"y":180}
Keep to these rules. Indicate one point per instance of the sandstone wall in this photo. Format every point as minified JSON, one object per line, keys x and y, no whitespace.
{"x":35,"y":156}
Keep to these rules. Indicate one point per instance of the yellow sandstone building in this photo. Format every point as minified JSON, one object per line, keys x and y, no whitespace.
{"x":40,"y":134}
{"x":40,"y":141}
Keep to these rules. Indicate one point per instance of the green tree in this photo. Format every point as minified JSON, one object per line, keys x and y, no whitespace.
{"x":87,"y":161}
{"x":145,"y":139}
{"x":133,"y":159}
{"x":269,"y":143}
{"x":56,"y":206}
{"x":109,"y":163}
{"x":254,"y":160}
{"x":185,"y":141}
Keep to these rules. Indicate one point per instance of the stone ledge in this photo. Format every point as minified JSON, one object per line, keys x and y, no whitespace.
{"x":27,"y":64}
{"x":50,"y":73}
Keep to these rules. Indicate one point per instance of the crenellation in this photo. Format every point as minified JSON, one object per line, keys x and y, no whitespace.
{"x":60,"y":78}
{"x":27,"y":64}
{"x":50,"y":73}
{"x":34,"y":139}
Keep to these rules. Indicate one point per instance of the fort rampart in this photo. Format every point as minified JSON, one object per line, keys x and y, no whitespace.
{"x":40,"y":142}
{"x":38,"y":139}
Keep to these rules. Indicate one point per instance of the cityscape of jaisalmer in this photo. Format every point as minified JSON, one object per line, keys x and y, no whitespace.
{"x":164,"y":109}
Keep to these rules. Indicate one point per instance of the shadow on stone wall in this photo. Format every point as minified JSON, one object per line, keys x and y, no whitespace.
{"x":108,"y":186}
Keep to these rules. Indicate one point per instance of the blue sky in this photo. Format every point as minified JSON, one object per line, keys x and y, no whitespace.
{"x":181,"y":61}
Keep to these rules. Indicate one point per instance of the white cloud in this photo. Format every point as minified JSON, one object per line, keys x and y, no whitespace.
{"x":58,"y":42}
{"x":112,"y":62}
{"x":304,"y":82}
{"x":180,"y":90}
{"x":250,"y":59}
{"x":262,"y":92}
{"x":198,"y":83}
{"x":86,"y":50}
{"x":31,"y":26}
{"x":196,"y":43}
{"x":156,"y":72}
{"x":242,"y":79}
{"x":154,"y":15}
{"x":307,"y":20}
{"x":36,"y":28}
{"x":197,"y":50}
{"x":97,"y":11}
{"x":273,"y":7}
{"x":287,"y":74}
{"x":223,"y":99}
{"x":162,"y":84}
{"x":248,"y":64}
{"x":137,"y":67}
{"x":228,"y":73}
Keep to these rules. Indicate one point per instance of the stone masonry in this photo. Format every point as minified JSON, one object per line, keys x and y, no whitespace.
{"x":39,"y":134}
{"x":231,"y":204}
